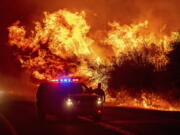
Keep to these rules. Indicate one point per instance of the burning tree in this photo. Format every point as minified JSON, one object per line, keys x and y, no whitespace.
{"x":128,"y":56}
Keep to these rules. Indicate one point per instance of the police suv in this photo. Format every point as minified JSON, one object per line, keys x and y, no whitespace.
{"x":67,"y":97}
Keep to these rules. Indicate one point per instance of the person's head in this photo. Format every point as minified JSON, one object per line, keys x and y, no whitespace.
{"x":99,"y":85}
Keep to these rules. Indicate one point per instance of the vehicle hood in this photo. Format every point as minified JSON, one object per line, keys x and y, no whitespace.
{"x":85,"y":97}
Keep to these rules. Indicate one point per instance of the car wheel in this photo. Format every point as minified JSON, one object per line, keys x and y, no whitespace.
{"x":41,"y":115}
{"x":40,"y":112}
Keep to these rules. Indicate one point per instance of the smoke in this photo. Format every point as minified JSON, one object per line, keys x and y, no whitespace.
{"x":160,"y":12}
{"x":20,"y":86}
{"x":163,"y":15}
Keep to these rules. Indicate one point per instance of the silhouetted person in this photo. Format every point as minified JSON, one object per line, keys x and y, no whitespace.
{"x":100,"y":92}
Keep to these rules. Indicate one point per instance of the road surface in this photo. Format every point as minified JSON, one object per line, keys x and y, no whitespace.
{"x":18,"y":117}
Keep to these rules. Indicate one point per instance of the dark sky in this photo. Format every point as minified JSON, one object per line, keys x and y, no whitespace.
{"x":98,"y":13}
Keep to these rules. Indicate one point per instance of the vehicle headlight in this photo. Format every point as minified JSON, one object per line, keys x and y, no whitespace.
{"x":99,"y":101}
{"x":69,"y":102}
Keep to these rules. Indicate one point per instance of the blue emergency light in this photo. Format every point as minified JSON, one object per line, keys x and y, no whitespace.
{"x":66,"y":80}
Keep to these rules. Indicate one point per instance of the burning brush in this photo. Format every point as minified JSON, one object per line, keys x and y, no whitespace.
{"x":61,"y":44}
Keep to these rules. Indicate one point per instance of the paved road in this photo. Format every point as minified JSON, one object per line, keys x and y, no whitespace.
{"x":20,"y":118}
{"x":144,"y":122}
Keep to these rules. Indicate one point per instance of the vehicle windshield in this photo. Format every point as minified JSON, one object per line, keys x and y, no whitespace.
{"x":67,"y":88}
{"x":74,"y":88}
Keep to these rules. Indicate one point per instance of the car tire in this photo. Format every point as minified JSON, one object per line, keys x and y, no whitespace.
{"x":41,"y":115}
{"x":40,"y":112}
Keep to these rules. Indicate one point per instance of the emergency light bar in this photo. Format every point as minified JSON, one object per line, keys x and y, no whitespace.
{"x":66,"y":80}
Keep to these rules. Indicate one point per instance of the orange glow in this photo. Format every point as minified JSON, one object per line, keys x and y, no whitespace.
{"x":139,"y":38}
{"x":61,"y":44}
{"x":54,"y":80}
{"x":145,"y":100}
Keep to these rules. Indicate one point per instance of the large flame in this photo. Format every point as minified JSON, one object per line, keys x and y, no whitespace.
{"x":145,"y":100}
{"x":138,"y":37}
{"x":58,"y":44}
{"x":62,"y":44}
